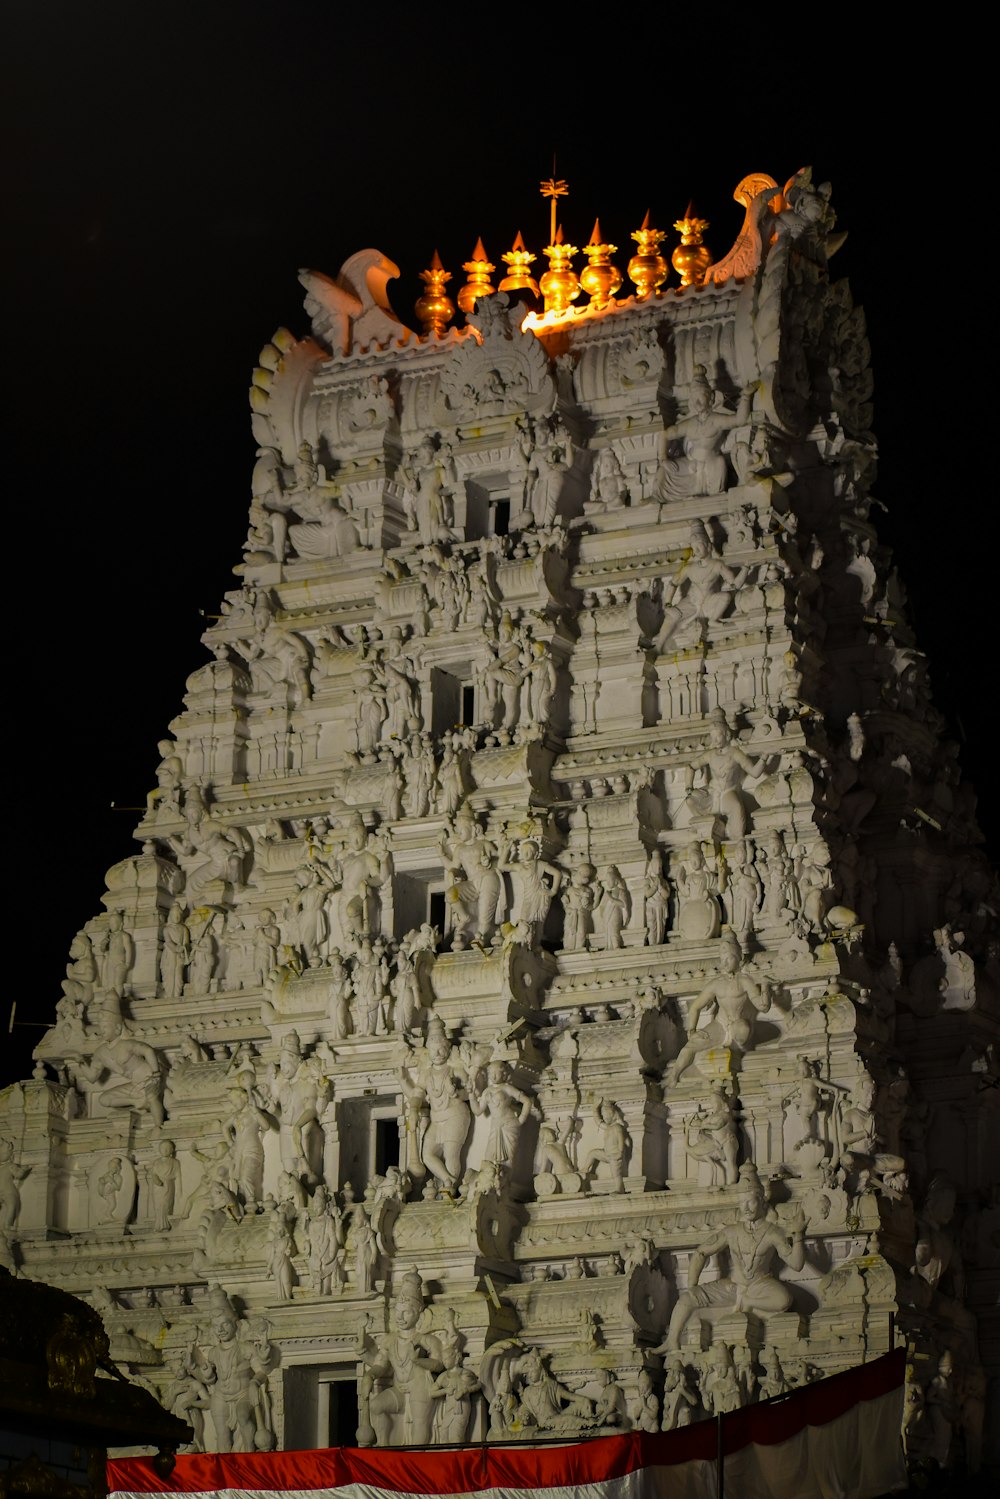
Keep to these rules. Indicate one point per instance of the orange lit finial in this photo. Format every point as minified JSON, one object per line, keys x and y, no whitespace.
{"x":517,"y":259}
{"x":560,"y":285}
{"x":648,"y":269}
{"x":435,"y":309}
{"x":600,"y":279}
{"x":478,"y":271}
{"x":691,"y":259}
{"x":553,"y":188}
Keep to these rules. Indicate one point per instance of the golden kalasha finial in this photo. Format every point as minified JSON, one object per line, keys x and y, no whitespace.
{"x":517,"y":259}
{"x":435,"y":309}
{"x":648,"y":270}
{"x":600,"y":279}
{"x":478,"y":270}
{"x":560,"y":284}
{"x":552,"y":189}
{"x":691,"y":259}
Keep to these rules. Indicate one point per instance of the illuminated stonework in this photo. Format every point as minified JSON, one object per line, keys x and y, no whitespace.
{"x":551,"y":995}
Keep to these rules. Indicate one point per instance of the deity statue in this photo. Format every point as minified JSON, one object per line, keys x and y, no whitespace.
{"x":536,"y":882}
{"x":175,"y":952}
{"x":119,"y":954}
{"x":329,"y":532}
{"x":471,"y":861}
{"x":608,"y":487}
{"x":325,"y":1244}
{"x":735,"y":1000}
{"x":753,"y":1243}
{"x":614,"y":1145}
{"x":226,"y":1369}
{"x":362,"y":867}
{"x":611,"y":911}
{"x":577,"y":903}
{"x":710,"y":1134}
{"x":698,"y":916}
{"x":656,"y":898}
{"x":244,"y":1128}
{"x":727,"y":768}
{"x":131,"y":1067}
{"x":701,"y":467}
{"x":434,"y":1083}
{"x":507,"y":1109}
{"x":298,"y":1091}
{"x":11,"y":1177}
{"x":405,"y":1362}
{"x":164,"y":1177}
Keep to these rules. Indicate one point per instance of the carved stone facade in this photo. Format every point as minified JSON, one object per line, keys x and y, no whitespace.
{"x":555,"y":992}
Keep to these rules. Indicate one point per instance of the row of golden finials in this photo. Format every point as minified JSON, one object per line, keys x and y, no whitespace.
{"x":560,"y":285}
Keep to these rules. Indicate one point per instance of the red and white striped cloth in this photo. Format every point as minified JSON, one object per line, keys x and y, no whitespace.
{"x":836,"y":1439}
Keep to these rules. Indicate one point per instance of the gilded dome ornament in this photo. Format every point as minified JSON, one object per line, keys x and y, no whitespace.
{"x":691,"y":259}
{"x":599,"y":278}
{"x":435,"y":309}
{"x":478,"y":271}
{"x":647,"y":269}
{"x":560,"y":284}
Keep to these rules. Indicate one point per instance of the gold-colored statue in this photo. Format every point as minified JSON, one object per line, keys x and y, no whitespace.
{"x":600,"y":279}
{"x":691,"y":259}
{"x":560,"y":284}
{"x":648,"y":269}
{"x":478,"y":271}
{"x":435,"y":309}
{"x":518,"y":258}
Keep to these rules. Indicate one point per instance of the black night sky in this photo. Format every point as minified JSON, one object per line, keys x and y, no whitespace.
{"x":169,"y":170}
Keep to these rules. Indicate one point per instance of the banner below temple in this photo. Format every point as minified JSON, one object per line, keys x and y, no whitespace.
{"x":839,"y":1436}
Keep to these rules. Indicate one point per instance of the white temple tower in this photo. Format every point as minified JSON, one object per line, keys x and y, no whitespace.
{"x":555,"y":989}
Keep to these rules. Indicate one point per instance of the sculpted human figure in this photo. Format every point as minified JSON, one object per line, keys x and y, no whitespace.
{"x":203,"y":950}
{"x":702,"y":592}
{"x":608,"y":489}
{"x":743,"y":889}
{"x":710,"y":1134}
{"x":733,"y":998}
{"x":164,"y":1177}
{"x":298,"y":1092}
{"x":433,"y":1083}
{"x":325,"y":1241}
{"x":82,"y":966}
{"x":858,"y":1141}
{"x":727,"y":769}
{"x":11,"y":1177}
{"x":130,"y":1066}
{"x":244,"y":1129}
{"x":546,"y":1402}
{"x":698,"y":916}
{"x":753,"y":1244}
{"x":364,"y":867}
{"x":541,"y":682}
{"x":656,"y":898}
{"x":175,"y":952}
{"x":614,"y":1144}
{"x":471,"y":859}
{"x":329,"y":533}
{"x":408,"y":1358}
{"x":371,"y":987}
{"x":680,"y":1401}
{"x":225,"y":1371}
{"x":507,"y":1108}
{"x":266,"y":942}
{"x":119,"y":954}
{"x":720,"y":1385}
{"x":536,"y":882}
{"x":612,"y":910}
{"x":700,"y":468}
{"x":453,"y":1388}
{"x":504,"y":673}
{"x":577,"y":903}
{"x":407,"y":1008}
{"x":310,"y":914}
{"x":341,"y":993}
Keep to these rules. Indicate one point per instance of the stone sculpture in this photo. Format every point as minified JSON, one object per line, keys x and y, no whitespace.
{"x":700,"y":467}
{"x":753,"y":1243}
{"x":404,"y":1363}
{"x":733,"y":998}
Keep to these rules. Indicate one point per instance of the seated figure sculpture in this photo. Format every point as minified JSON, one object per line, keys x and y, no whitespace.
{"x":700,"y":468}
{"x":753,"y":1244}
{"x":736,"y":1000}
